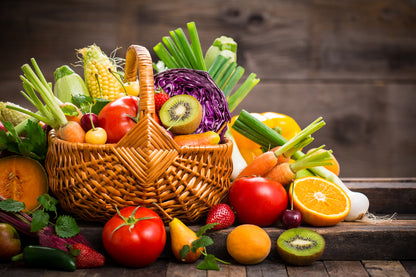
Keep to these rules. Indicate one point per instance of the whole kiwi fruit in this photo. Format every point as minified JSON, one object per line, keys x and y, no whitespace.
{"x":181,"y":114}
{"x":300,"y":246}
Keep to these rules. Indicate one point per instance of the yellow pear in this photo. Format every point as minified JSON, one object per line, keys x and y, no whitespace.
{"x":181,"y":235}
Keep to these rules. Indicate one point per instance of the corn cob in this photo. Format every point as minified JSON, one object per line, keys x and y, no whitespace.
{"x":100,"y":74}
{"x":12,"y":116}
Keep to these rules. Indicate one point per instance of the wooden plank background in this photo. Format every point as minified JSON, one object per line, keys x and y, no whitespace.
{"x":352,"y":62}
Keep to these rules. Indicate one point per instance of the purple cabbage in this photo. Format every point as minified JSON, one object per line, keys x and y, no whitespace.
{"x":199,"y":84}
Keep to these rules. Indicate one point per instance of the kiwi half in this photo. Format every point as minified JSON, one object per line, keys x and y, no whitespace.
{"x":181,"y":114}
{"x":300,"y":246}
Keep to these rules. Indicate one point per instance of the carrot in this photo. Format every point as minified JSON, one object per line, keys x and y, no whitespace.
{"x":260,"y":165}
{"x":266,"y":161}
{"x":281,"y":173}
{"x":72,"y":132}
{"x":283,"y":158}
{"x":285,"y":172}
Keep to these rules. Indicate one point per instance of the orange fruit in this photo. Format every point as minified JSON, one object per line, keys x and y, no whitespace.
{"x":334,"y":167}
{"x":248,"y":244}
{"x":321,"y":202}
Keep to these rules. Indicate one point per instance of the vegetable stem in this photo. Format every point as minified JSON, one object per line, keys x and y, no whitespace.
{"x":235,"y":99}
{"x":196,"y":45}
{"x":302,"y":138}
{"x":36,"y":81}
{"x":312,"y":160}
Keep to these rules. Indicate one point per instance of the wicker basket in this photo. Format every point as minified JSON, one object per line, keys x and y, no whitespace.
{"x":145,"y":166}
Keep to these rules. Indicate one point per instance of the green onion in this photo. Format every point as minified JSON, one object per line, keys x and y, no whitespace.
{"x":177,"y":52}
{"x":235,"y":99}
{"x":235,"y":77}
{"x":164,"y":55}
{"x":186,"y":47}
{"x":219,"y":63}
{"x":218,"y":73}
{"x":196,"y":45}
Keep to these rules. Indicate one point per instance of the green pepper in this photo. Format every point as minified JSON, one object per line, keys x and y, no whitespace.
{"x":46,"y":257}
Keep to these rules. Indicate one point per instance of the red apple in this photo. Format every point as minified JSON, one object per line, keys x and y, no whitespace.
{"x":10,"y":244}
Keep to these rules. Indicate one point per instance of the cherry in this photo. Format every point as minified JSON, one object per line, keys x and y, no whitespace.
{"x":291,"y":218}
{"x":86,"y":121}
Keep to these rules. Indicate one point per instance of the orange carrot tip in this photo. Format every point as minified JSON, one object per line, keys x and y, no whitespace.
{"x":282,"y":173}
{"x":260,"y":165}
{"x":72,"y":132}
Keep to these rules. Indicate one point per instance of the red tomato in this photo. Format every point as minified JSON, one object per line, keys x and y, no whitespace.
{"x":135,"y":237}
{"x":116,"y":118}
{"x":257,"y":200}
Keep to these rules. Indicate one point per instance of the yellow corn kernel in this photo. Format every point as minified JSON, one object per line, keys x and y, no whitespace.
{"x":101,"y":83}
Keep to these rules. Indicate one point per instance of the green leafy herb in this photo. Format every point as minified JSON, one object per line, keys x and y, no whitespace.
{"x":66,"y":226}
{"x":48,"y":203}
{"x":33,"y":144}
{"x":210,"y":261}
{"x":203,"y":229}
{"x":184,"y":251}
{"x":70,"y":110}
{"x":10,"y":205}
{"x":88,"y":104}
{"x":40,"y":219}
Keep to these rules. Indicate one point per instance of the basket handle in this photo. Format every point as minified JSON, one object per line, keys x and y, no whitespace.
{"x":138,"y":58}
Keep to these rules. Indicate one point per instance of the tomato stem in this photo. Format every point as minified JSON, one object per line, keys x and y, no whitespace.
{"x":131,"y":220}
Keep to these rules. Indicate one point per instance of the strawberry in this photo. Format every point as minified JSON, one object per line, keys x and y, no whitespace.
{"x":87,"y":257}
{"x":160,"y":99}
{"x":222,"y":214}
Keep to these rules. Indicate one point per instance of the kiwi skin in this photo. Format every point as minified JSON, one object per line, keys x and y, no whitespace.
{"x":185,"y":126}
{"x":305,"y":254}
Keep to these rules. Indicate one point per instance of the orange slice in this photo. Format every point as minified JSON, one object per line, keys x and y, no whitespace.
{"x":321,"y":202}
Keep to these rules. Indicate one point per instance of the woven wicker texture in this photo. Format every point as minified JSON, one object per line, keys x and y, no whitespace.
{"x":145,"y":166}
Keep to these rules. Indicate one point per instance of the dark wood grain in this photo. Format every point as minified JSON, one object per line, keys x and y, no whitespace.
{"x":314,"y":270}
{"x":345,"y":268}
{"x":352,"y":62}
{"x":385,"y":268}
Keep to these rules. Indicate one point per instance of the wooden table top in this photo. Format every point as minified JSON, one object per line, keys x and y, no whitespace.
{"x":361,"y":248}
